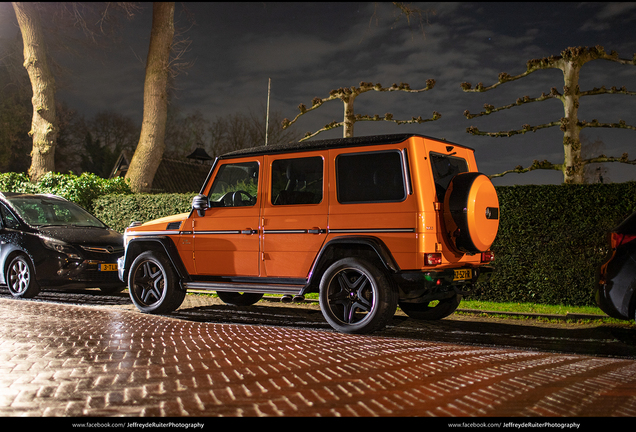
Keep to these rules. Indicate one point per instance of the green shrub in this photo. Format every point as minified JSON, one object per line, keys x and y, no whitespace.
{"x":82,"y":189}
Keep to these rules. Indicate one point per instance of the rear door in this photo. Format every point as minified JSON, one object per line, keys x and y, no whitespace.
{"x":294,"y":213}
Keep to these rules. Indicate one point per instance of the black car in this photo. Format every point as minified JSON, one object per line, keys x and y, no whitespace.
{"x":617,"y":277}
{"x":47,"y":241}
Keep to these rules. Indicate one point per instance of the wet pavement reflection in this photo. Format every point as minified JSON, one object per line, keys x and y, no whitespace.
{"x":81,"y":353}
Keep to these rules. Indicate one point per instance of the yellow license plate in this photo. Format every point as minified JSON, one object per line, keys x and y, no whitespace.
{"x":462,"y":274}
{"x":108,"y":267}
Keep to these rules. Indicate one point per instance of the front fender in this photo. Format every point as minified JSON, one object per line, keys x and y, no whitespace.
{"x":159,"y":243}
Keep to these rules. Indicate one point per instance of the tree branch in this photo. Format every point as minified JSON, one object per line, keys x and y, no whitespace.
{"x":489,"y":109}
{"x":535,"y":166}
{"x":595,"y":123}
{"x":525,"y":128}
{"x":347,"y":92}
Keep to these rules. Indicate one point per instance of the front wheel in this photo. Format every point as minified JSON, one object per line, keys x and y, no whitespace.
{"x":20,"y":278}
{"x":239,"y":298}
{"x":152,"y":284}
{"x":356,"y":296}
{"x":431,"y":310}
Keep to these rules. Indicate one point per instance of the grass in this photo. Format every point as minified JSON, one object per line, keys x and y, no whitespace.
{"x":526,"y":308}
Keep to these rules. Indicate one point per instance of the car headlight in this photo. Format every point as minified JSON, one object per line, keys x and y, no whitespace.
{"x":61,"y":247}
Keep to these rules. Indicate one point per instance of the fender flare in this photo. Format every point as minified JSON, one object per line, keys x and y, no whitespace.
{"x":165,"y":244}
{"x":376,"y":245}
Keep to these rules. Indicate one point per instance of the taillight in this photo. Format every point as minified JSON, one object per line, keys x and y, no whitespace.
{"x":487,"y":256}
{"x":617,"y":239}
{"x":433,"y":258}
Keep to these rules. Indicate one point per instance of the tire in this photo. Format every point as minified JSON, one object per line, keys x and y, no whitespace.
{"x":20,"y":278}
{"x":153,"y":284}
{"x":471,"y":212}
{"x":238,"y":298}
{"x":357,"y":297}
{"x":425,"y":312}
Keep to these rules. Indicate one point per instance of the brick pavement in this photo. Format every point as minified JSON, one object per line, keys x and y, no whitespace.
{"x":63,"y":360}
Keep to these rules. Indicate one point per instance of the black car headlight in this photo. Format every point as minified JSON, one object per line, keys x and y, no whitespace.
{"x":61,"y":247}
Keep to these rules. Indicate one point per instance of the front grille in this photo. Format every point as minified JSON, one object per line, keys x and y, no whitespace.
{"x":104,"y":249}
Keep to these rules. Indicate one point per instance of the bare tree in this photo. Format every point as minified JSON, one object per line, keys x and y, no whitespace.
{"x":348,"y":95}
{"x":43,"y":125}
{"x":569,"y":62}
{"x":147,"y":157}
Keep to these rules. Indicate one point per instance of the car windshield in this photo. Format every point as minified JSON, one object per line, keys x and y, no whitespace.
{"x":43,"y":211}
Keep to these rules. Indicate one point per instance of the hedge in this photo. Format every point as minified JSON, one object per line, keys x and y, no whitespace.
{"x":118,"y":211}
{"x":551,"y":238}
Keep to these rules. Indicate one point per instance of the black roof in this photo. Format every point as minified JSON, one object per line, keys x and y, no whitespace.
{"x":330,"y":144}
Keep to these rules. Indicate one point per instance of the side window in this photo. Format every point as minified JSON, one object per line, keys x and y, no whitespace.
{"x":8,"y":218}
{"x":370,"y":177}
{"x":235,"y":185}
{"x":297,"y":181}
{"x":444,"y":169}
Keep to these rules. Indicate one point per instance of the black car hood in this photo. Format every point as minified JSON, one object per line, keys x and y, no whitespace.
{"x":84,"y":235}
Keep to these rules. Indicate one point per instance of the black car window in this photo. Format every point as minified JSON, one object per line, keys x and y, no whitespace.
{"x":9,"y":220}
{"x":297,"y":181}
{"x":370,"y":177}
{"x":444,"y":169}
{"x":235,"y":185}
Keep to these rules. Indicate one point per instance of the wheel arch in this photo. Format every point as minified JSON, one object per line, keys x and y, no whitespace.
{"x":371,"y":248}
{"x":159,"y":244}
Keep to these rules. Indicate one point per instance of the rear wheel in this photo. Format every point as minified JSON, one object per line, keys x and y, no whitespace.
{"x":431,"y":310}
{"x":356,"y":296}
{"x":20,"y":278}
{"x":152,"y":284}
{"x":239,"y":298}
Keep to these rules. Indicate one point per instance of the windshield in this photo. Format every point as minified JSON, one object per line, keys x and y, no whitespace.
{"x":42,"y":211}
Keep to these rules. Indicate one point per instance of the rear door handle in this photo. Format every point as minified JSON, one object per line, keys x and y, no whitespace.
{"x":248,"y":231}
{"x":316,"y":231}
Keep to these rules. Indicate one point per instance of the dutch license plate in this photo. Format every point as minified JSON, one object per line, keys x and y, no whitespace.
{"x":462,"y":274}
{"x":108,"y":267}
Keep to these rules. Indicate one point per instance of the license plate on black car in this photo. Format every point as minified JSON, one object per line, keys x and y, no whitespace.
{"x":107,"y":267}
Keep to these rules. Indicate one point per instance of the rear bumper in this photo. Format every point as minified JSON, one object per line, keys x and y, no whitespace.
{"x":414,"y":284}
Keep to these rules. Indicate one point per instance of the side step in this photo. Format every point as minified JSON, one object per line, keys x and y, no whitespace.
{"x":245,"y":287}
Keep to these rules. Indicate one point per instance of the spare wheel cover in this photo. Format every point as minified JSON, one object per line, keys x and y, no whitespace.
{"x":472,"y":212}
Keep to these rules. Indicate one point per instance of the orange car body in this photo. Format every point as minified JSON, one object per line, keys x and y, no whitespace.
{"x":390,"y":196}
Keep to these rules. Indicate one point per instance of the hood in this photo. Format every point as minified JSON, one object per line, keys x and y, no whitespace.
{"x":84,"y":235}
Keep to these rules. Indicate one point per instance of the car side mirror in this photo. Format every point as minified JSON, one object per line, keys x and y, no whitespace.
{"x":200,"y":203}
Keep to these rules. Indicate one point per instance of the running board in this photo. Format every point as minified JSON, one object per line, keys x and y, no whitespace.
{"x":245,"y":287}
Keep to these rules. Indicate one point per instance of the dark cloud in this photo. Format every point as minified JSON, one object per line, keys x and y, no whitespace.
{"x":308,"y":49}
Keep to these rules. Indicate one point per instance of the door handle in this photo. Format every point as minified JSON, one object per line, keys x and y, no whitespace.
{"x":316,"y":231}
{"x":249,"y":231}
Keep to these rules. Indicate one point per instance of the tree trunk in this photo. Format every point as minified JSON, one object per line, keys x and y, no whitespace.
{"x":150,"y":148}
{"x":573,"y":169}
{"x":348,"y":122}
{"x":43,"y":126}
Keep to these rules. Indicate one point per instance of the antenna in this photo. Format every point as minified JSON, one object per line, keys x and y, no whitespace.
{"x":269,"y":84}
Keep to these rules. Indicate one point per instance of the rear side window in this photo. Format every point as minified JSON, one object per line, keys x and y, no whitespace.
{"x":297,"y":181}
{"x":370,"y":177}
{"x":444,"y":169}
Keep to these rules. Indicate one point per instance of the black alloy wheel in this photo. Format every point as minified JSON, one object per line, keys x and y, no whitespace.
{"x":152,"y":284}
{"x":356,"y":296}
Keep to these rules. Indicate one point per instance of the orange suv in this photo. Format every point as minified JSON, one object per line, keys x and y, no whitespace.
{"x":369,"y":223}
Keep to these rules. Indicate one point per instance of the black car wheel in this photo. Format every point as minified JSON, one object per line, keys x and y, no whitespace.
{"x":427,"y":311}
{"x":356,"y":296}
{"x":20,"y":278}
{"x":152,"y":284}
{"x":239,"y":298}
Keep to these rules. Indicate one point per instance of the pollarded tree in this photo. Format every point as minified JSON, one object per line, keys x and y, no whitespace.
{"x":348,"y":95}
{"x":569,"y":62}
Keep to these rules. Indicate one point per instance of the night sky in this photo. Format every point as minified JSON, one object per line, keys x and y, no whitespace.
{"x":308,"y":49}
